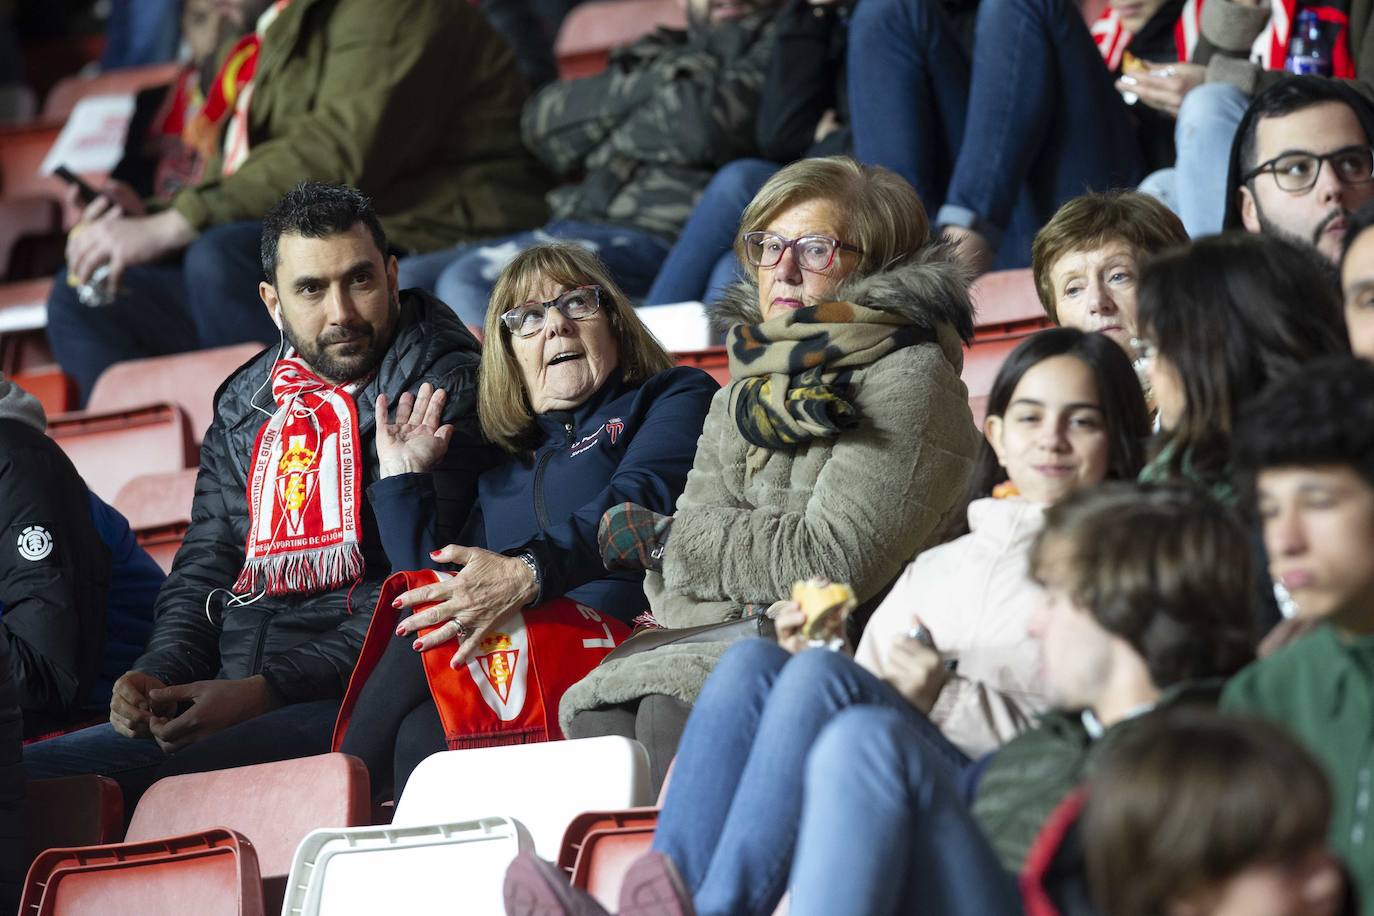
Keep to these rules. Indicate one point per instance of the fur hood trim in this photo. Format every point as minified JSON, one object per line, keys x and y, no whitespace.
{"x":931,"y":289}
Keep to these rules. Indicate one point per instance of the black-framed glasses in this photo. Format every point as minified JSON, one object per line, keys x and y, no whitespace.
{"x":1298,"y":171}
{"x":576,"y":304}
{"x":813,"y":252}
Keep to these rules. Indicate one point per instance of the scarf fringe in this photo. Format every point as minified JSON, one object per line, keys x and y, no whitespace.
{"x":302,"y":572}
{"x":497,"y":739}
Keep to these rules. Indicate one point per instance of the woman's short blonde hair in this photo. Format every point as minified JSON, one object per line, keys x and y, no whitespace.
{"x":1094,"y":220}
{"x":503,"y":404}
{"x":882,"y":214}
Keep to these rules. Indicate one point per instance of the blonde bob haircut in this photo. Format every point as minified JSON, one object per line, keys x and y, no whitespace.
{"x":503,"y":403}
{"x":882,"y":214}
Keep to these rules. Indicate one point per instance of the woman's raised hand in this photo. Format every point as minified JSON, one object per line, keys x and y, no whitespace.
{"x":467,"y":606}
{"x":417,"y":439}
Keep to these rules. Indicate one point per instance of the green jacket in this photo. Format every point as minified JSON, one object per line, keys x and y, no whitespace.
{"x":641,"y":140}
{"x":1321,"y":687}
{"x":416,"y":102}
{"x":1033,"y":772}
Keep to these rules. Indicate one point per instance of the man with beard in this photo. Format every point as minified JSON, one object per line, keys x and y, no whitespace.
{"x":260,"y":622}
{"x":1302,"y":162}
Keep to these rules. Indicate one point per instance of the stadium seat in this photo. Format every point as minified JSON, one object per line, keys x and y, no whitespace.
{"x":22,"y":150}
{"x":152,"y":501}
{"x":188,"y":380}
{"x":591,"y":30}
{"x":23,"y":318}
{"x":209,"y":873}
{"x":439,"y":868}
{"x":63,"y":96}
{"x":599,"y":846}
{"x":71,"y":811}
{"x":594,"y":774}
{"x":30,"y":229}
{"x":1006,"y":304}
{"x":55,"y":390}
{"x":712,"y":360}
{"x":982,"y":361}
{"x":110,"y":449}
{"x":275,"y":805}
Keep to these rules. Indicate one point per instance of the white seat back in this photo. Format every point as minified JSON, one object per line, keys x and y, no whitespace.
{"x":441,"y":868}
{"x":543,"y":786}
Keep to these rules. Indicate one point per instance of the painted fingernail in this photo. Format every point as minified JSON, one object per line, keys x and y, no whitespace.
{"x":396,"y":604}
{"x":435,"y":553}
{"x":400,"y":631}
{"x":416,"y":645}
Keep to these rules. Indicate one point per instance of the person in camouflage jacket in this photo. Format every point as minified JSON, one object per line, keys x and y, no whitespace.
{"x":635,"y":146}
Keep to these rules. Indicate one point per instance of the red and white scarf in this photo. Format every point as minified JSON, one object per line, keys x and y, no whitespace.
{"x":305,"y":489}
{"x":230,"y":96}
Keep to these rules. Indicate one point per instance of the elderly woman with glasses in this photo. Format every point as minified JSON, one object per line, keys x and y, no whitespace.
{"x":838,"y":449}
{"x":590,"y":412}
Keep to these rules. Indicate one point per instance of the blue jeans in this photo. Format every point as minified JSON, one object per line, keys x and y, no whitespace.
{"x":1028,"y":121}
{"x":702,"y":262}
{"x":141,"y":32}
{"x":463,"y":276}
{"x":208,"y":299}
{"x":1196,"y":187}
{"x":734,"y":803}
{"x":884,"y":831}
{"x":294,"y":730}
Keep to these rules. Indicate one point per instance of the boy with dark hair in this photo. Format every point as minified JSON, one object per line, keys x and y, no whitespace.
{"x":1357,"y":281}
{"x":1308,"y":444}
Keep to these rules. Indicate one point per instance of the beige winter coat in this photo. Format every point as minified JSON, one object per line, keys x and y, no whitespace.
{"x":975,"y":595}
{"x":856,"y":508}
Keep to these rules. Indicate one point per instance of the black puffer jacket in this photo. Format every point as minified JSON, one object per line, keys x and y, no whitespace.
{"x":12,"y":785}
{"x":305,"y":645}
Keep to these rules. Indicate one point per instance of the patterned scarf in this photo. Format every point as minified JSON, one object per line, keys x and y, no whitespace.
{"x":793,"y":372}
{"x":305,"y":491}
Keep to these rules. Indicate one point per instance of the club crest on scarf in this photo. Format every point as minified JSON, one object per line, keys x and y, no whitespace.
{"x":304,"y":492}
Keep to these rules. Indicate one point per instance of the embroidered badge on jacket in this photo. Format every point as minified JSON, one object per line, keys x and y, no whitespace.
{"x":35,"y":543}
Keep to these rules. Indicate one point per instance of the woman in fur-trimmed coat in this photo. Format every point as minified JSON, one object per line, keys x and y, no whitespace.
{"x":840,"y":445}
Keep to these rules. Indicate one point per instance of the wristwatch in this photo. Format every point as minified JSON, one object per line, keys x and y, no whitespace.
{"x":529,"y":561}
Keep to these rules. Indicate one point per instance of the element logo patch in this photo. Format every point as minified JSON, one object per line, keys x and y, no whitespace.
{"x":35,"y":543}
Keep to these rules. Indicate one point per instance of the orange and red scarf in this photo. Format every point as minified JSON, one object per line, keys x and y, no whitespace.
{"x":305,"y":489}
{"x":229,"y":96}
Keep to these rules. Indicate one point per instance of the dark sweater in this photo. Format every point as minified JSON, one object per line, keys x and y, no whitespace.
{"x":625,"y":444}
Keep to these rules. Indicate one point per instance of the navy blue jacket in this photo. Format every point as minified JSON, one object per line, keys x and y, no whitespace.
{"x":625,"y":444}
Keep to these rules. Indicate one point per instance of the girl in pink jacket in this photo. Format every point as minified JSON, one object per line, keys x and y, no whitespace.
{"x":1065,"y":413}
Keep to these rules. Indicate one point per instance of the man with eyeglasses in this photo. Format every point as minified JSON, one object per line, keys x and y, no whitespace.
{"x":1302,"y":163}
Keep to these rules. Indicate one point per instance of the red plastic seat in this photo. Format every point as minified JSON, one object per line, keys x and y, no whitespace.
{"x":63,"y":96}
{"x":273,"y":804}
{"x":23,"y":318}
{"x":208,"y":873}
{"x":983,"y":359}
{"x":592,"y":30}
{"x":110,"y":449}
{"x":599,"y":846}
{"x":71,"y":811}
{"x":153,"y":501}
{"x":712,"y":360}
{"x":1006,"y":304}
{"x":188,"y":380}
{"x":55,"y":390}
